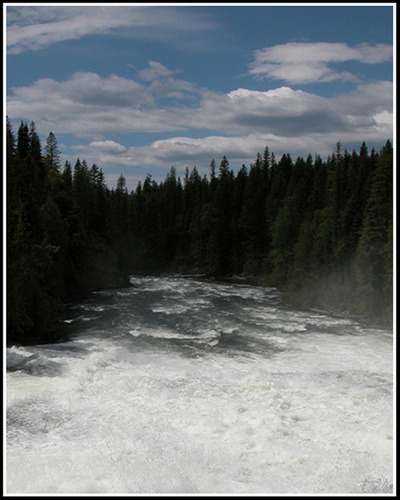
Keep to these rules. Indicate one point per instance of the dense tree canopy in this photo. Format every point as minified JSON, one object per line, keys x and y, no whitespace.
{"x":320,"y":230}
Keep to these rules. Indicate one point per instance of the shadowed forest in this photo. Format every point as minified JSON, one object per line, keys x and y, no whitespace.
{"x":320,"y":230}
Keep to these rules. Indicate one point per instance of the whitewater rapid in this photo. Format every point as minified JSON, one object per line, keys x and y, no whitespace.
{"x":179,"y":385}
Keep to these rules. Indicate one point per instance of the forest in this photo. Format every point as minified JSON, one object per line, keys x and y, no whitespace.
{"x":319,"y":230}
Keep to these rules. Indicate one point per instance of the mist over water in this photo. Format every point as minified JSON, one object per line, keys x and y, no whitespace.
{"x":178,"y":385}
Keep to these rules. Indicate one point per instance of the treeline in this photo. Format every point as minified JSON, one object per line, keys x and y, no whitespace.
{"x":320,"y":230}
{"x":62,"y":235}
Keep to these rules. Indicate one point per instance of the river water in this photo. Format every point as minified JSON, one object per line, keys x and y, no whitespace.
{"x":179,"y":385}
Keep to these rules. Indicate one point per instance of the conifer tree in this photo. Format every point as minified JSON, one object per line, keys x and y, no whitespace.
{"x":53,"y":154}
{"x":320,"y":230}
{"x":372,"y":260}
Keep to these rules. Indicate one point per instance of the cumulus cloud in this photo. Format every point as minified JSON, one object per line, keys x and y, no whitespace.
{"x":35,"y":28}
{"x":90,"y":105}
{"x":85,"y":89}
{"x":305,"y":63}
{"x":185,"y":151}
{"x":108,"y":146}
{"x":180,"y":151}
{"x":290,"y":113}
{"x":368,"y":98}
{"x":236,"y":124}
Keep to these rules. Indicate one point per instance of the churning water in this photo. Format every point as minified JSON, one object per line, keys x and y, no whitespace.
{"x":178,"y":385}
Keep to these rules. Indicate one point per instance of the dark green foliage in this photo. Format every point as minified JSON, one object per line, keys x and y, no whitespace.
{"x":320,"y":230}
{"x":52,"y":157}
{"x":253,"y":223}
{"x":375,"y":242}
{"x":60,"y":238}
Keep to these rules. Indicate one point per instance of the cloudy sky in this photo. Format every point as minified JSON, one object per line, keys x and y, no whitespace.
{"x":138,"y":89}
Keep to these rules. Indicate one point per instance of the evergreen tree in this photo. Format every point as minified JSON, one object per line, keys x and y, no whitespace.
{"x":373,"y":264}
{"x":52,"y":152}
{"x":220,"y":236}
{"x":253,"y":219}
{"x":320,"y":230}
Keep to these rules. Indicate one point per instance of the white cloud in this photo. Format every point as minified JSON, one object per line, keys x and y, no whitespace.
{"x":180,"y":152}
{"x":173,"y":89}
{"x":87,"y":89}
{"x":90,"y":106}
{"x":304,"y":63}
{"x":184,"y":151}
{"x":367,"y":98}
{"x":237,"y":124}
{"x":108,"y":146}
{"x":154,"y":71}
{"x":163,"y":85}
{"x":34,"y":28}
{"x":39,"y":27}
{"x":290,"y":113}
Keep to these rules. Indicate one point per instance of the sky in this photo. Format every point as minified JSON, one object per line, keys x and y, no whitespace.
{"x":140,"y":88}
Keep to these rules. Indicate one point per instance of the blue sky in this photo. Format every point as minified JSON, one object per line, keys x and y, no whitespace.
{"x":138,"y":89}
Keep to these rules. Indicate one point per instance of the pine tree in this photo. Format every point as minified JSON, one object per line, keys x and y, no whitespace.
{"x":53,"y":154}
{"x":320,"y":230}
{"x":373,"y":264}
{"x":253,"y":220}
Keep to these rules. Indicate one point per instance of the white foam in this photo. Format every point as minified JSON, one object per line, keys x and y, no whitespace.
{"x":211,"y":425}
{"x":172,"y":309}
{"x":126,"y":416}
{"x":171,"y":334}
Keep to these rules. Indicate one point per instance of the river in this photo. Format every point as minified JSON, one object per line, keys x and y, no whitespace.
{"x":187,"y":386}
